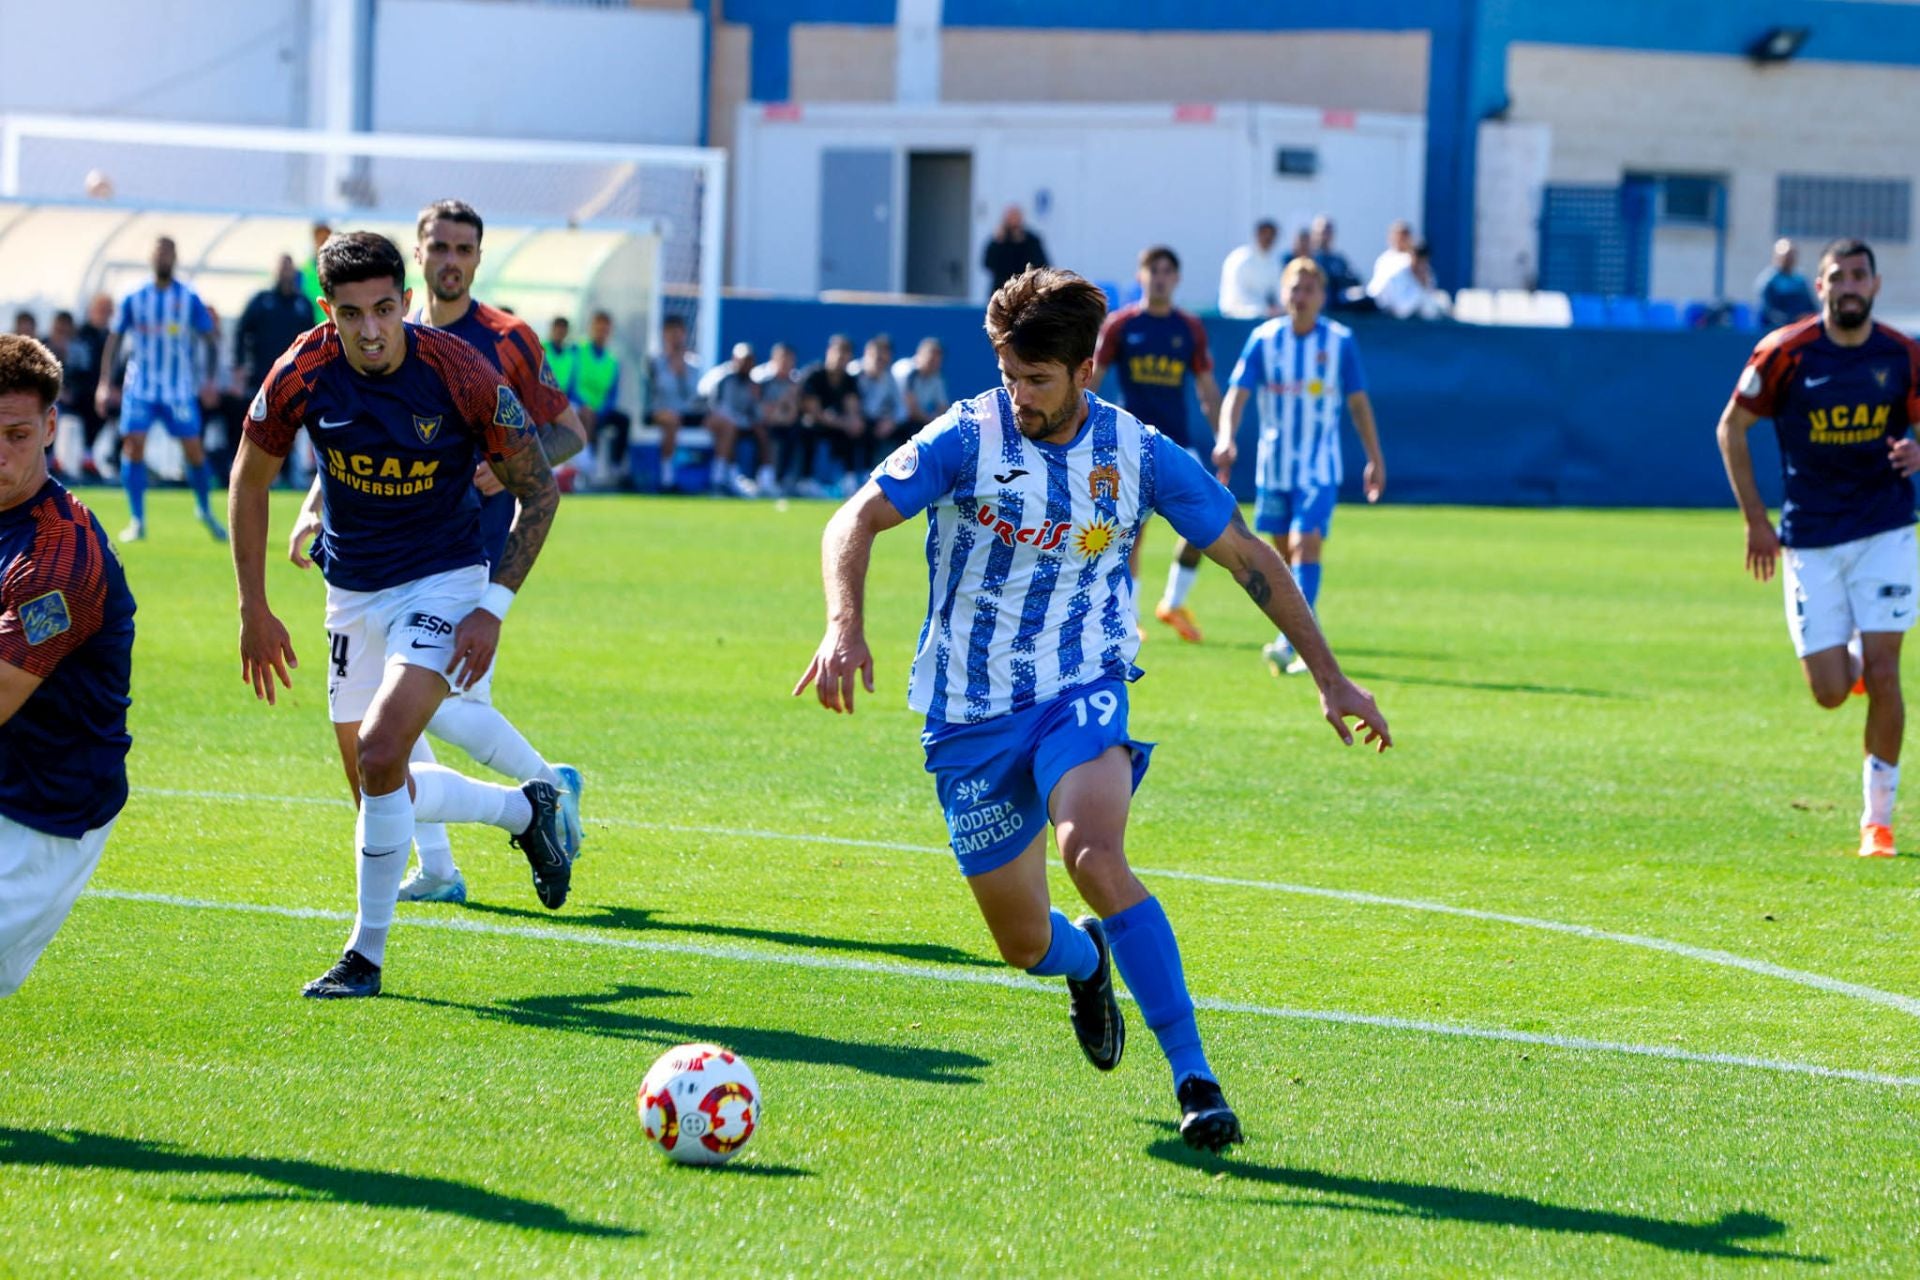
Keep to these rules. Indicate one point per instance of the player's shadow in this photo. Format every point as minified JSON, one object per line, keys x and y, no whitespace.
{"x":1431,"y":1201}
{"x":645,"y":920}
{"x":594,"y":1014}
{"x":304,"y":1179}
{"x":1499,"y":686}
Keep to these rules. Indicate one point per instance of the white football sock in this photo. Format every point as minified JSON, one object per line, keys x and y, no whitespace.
{"x":430,"y":838}
{"x":1179,"y":582}
{"x":441,"y":795}
{"x":1878,"y":782}
{"x":478,"y":729}
{"x":385,"y":830}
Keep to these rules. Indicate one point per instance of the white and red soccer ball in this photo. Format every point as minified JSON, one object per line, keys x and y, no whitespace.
{"x":700,"y":1104}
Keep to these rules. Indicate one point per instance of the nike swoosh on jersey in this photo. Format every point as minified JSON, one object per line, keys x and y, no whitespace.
{"x":1814,"y":382}
{"x":326,"y":425}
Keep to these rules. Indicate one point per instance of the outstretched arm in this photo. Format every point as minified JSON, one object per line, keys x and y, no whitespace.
{"x":1259,"y":570}
{"x":845,"y":550}
{"x":1763,"y":545}
{"x":265,"y":648}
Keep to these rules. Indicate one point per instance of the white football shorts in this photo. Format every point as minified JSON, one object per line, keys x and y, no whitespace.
{"x":1869,"y":584}
{"x":412,"y":623}
{"x":40,"y":876}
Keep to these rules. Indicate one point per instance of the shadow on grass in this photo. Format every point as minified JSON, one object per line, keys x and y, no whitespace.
{"x":591,"y":1013}
{"x":1499,"y":686}
{"x":306,"y":1179}
{"x":644,"y":920}
{"x":1457,"y":1204}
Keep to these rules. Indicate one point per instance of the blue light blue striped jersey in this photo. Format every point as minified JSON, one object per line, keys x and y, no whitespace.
{"x":1027,"y":547}
{"x":1301,"y":385}
{"x":160,"y":328}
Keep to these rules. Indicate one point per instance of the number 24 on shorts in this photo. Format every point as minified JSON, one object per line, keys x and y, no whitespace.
{"x":1105,"y":703}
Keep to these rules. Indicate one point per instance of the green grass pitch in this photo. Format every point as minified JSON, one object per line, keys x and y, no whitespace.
{"x":1580,"y":979}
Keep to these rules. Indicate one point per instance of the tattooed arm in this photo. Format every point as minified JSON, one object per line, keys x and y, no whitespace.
{"x":563,"y":437}
{"x":526,"y":474}
{"x":1264,"y":576}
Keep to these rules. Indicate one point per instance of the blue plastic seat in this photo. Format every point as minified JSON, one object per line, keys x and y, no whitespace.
{"x":1589,"y":310}
{"x":1627,"y":313}
{"x":1662,"y":314}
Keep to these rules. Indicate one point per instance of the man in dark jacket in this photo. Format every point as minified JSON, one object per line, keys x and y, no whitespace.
{"x":1012,"y":250}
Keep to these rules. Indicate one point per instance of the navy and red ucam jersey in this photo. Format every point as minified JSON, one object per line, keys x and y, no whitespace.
{"x":66,"y":616}
{"x":1836,"y":410}
{"x":509,"y":344}
{"x":396,"y":450}
{"x":1154,"y":356}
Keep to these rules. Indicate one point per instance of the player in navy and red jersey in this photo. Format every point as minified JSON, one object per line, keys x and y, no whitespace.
{"x":447,"y":250}
{"x":1843,"y":393}
{"x":397,"y":415}
{"x":1155,"y":347}
{"x":66,"y":653}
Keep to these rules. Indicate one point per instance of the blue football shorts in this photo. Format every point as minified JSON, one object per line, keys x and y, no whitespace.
{"x":1295,"y":511}
{"x":181,"y":418}
{"x":994,"y":779}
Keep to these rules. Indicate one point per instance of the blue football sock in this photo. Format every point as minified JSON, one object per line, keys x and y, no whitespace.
{"x":1071,"y":954}
{"x":1148,"y":957}
{"x":200,"y":476}
{"x":1308,"y":576}
{"x":134,"y":476}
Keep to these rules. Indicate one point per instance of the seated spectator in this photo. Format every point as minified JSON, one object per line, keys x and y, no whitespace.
{"x":1409,"y":294}
{"x":1344,"y":289}
{"x":1397,"y":254}
{"x":830,"y":415}
{"x":563,"y":354}
{"x":923,"y":389}
{"x":595,"y":391}
{"x":733,"y":406}
{"x":882,"y":409}
{"x":26,"y":324}
{"x":673,"y":393}
{"x":1250,"y":276}
{"x":1784,"y":293}
{"x":1302,"y":246}
{"x":779,"y":383}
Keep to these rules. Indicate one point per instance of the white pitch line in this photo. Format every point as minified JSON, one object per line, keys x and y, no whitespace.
{"x":1021,"y":982}
{"x":1906,"y":1004}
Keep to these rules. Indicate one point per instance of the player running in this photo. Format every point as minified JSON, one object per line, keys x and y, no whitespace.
{"x":447,"y":250}
{"x":1157,"y":347}
{"x":1034,"y":495}
{"x":66,"y":650}
{"x":1843,"y":393}
{"x":169,"y":331}
{"x":396,"y":413}
{"x":1303,"y":369}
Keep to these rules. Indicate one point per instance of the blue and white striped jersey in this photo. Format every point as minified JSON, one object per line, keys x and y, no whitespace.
{"x":1027,"y":547}
{"x":161,"y":329}
{"x":1301,"y":386}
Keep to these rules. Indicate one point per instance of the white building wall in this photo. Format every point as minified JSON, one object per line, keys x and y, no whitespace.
{"x":1612,"y":111}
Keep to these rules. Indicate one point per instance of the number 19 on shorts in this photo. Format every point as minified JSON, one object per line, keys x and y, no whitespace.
{"x":1105,"y":704}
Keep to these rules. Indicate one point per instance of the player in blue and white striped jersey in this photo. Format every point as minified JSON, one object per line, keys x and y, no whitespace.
{"x":168,"y":331}
{"x":1034,"y":495}
{"x":1303,"y":372}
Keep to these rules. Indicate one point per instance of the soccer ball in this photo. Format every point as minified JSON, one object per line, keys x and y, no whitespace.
{"x":700,"y":1103}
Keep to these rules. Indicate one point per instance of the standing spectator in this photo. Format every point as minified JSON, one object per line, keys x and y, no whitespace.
{"x":562,"y":357}
{"x":881,"y":408}
{"x":1397,"y":254}
{"x":923,"y":389}
{"x":82,"y":383}
{"x":25,"y":324}
{"x":60,"y":336}
{"x":596,"y":390}
{"x":1011,"y":249}
{"x":1250,"y":277}
{"x":1409,"y":294}
{"x":1784,"y":293}
{"x":310,"y":273}
{"x":165,"y":324}
{"x":673,"y":393}
{"x":1156,"y":348}
{"x":829,"y":414}
{"x":273,"y":319}
{"x":733,"y":407}
{"x":1302,"y":246}
{"x":1343,"y":286}
{"x":779,"y":384}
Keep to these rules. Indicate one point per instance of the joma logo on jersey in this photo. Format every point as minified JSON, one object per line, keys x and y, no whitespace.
{"x":1045,"y":538}
{"x":1849,"y":424}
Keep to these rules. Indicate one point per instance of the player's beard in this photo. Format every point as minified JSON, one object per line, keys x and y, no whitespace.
{"x":449,"y":293}
{"x":1850,"y":313}
{"x":1050,"y":425}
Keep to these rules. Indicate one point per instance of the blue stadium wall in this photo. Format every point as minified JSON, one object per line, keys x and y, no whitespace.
{"x":1468,"y":414}
{"x":1468,"y":42}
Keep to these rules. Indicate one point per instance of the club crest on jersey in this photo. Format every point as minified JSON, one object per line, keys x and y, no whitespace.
{"x":44,"y":617}
{"x":508,"y":412}
{"x":904,"y":461}
{"x":426,"y":428}
{"x":1105,"y":476}
{"x":1046,"y":537}
{"x":1880,"y":377}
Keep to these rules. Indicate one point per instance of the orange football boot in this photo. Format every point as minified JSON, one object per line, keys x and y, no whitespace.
{"x":1180,"y":618}
{"x":1876,"y":841}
